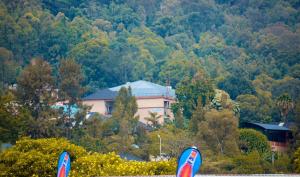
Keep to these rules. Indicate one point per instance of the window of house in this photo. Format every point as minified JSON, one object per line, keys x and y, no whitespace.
{"x":109,"y":107}
{"x":166,"y":107}
{"x":166,"y":104}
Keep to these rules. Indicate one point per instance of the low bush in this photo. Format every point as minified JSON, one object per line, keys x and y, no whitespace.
{"x":252,"y":140}
{"x":297,"y":160}
{"x":283,"y":164}
{"x":251,"y":163}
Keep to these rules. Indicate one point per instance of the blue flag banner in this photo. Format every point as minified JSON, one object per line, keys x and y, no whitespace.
{"x":189,"y":162}
{"x":64,"y":165}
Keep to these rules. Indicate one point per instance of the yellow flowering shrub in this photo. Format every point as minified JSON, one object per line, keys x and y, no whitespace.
{"x":39,"y":158}
{"x":112,"y":165}
{"x":36,"y":157}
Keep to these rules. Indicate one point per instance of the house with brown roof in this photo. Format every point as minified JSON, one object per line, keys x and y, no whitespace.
{"x":150,"y":97}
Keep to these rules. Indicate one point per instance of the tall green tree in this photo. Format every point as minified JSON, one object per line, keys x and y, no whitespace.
{"x":197,"y":116}
{"x":125,"y":107}
{"x":14,"y":118}
{"x":219,"y":132}
{"x":285,"y":104}
{"x":190,"y":90}
{"x":178,"y":119}
{"x":8,"y":69}
{"x":70,"y":78}
{"x":36,"y":92}
{"x":70,"y":88}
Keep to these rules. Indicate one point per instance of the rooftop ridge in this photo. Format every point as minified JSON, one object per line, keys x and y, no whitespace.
{"x":137,"y":84}
{"x":139,"y":88}
{"x":271,"y":126}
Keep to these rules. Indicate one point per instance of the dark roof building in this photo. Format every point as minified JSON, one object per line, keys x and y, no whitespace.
{"x":277,"y":135}
{"x":270,"y":127}
{"x":104,"y":94}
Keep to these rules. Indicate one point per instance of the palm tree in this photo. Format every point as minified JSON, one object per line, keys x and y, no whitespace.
{"x":153,"y":119}
{"x":285,"y":105}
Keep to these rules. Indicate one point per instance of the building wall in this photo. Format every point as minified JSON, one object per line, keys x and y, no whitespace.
{"x":279,"y":146}
{"x":97,"y":106}
{"x":145,"y":105}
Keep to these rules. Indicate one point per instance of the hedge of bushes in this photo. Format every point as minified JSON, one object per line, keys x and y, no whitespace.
{"x":297,"y":160}
{"x":39,"y":158}
{"x":112,"y":165}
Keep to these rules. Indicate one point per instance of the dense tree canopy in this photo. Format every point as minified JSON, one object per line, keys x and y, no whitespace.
{"x":249,"y":49}
{"x":219,"y":131}
{"x":120,"y":41}
{"x":192,"y":92}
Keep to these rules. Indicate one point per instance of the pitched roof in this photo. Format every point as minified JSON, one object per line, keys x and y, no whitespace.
{"x":104,"y":94}
{"x":271,"y":126}
{"x":144,"y":88}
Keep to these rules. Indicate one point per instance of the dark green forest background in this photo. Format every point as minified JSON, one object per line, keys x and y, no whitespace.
{"x":248,"y":48}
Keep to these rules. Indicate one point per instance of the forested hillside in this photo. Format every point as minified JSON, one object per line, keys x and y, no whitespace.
{"x":249,"y":49}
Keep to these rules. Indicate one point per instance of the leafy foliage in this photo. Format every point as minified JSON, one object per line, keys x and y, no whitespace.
{"x":249,"y":49}
{"x":219,"y":132}
{"x":102,"y":165}
{"x":297,"y":161}
{"x":251,"y":140}
{"x":284,"y":104}
{"x":153,"y":119}
{"x":173,"y":140}
{"x":249,"y":164}
{"x":237,"y":85}
{"x":14,"y":119}
{"x":190,"y":90}
{"x":124,"y":112}
{"x":35,"y":91}
{"x":36,"y":157}
{"x":70,"y":90}
{"x":39,"y":157}
{"x":197,"y":116}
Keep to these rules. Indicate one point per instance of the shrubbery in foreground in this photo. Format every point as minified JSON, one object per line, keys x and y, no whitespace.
{"x":39,"y":158}
{"x":297,"y":160}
